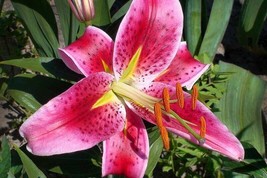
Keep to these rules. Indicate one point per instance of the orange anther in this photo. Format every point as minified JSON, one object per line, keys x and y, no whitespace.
{"x":180,"y":95}
{"x":202,"y":127}
{"x":158,"y":114}
{"x":162,"y":129}
{"x":166,"y":100}
{"x":194,"y":97}
{"x":165,"y":138}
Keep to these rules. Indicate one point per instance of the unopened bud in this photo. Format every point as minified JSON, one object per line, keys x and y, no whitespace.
{"x":83,"y":9}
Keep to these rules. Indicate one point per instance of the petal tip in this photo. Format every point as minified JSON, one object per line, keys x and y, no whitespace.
{"x":29,"y":149}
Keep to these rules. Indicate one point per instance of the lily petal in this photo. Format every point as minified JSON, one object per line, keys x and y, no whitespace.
{"x":153,"y":26}
{"x":87,"y":54}
{"x":184,"y":69}
{"x":127,"y":152}
{"x":218,"y":137}
{"x":68,"y":123}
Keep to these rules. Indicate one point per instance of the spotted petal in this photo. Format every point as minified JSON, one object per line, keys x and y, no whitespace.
{"x":184,"y":69}
{"x":155,"y":27}
{"x":218,"y":137}
{"x":68,"y":123}
{"x":91,"y":53}
{"x":126,"y":153}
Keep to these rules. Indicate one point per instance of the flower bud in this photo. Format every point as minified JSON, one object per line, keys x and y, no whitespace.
{"x":83,"y":9}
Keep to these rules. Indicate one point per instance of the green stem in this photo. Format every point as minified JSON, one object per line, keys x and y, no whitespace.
{"x":187,"y":127}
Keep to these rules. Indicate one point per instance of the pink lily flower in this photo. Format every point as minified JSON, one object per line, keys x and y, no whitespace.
{"x":123,"y":83}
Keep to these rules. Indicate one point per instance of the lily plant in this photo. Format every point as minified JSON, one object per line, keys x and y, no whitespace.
{"x":138,"y":76}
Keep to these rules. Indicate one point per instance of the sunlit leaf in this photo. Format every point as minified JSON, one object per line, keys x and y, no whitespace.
{"x":68,"y":22}
{"x":193,"y":20}
{"x":253,"y":15}
{"x":240,"y":107}
{"x":31,"y":169}
{"x":102,"y":15}
{"x":40,"y":22}
{"x":218,"y":22}
{"x":156,"y":147}
{"x":122,"y":11}
{"x":5,"y":158}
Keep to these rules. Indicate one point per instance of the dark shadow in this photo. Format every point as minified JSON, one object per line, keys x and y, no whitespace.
{"x":42,"y":88}
{"x":240,"y":134}
{"x":57,"y":68}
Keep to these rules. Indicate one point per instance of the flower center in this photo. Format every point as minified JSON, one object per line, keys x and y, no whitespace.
{"x":160,"y":106}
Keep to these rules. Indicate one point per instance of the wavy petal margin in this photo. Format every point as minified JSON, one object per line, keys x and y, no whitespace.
{"x":87,"y":54}
{"x":184,"y":69}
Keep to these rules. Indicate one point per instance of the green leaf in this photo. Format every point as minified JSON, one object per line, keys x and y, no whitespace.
{"x":155,"y":150}
{"x":40,"y":22}
{"x":45,"y":65}
{"x":121,"y":12}
{"x":241,"y":105}
{"x":252,"y":19}
{"x":3,"y":87}
{"x":102,"y":15}
{"x":5,"y":158}
{"x":68,"y":22}
{"x":253,"y":164}
{"x":218,"y":21}
{"x":30,"y":90}
{"x":110,"y":3}
{"x":193,"y":24}
{"x":31,"y":169}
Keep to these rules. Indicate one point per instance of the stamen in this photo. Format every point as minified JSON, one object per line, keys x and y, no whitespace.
{"x":194,"y":97}
{"x":162,"y":129}
{"x":165,"y":138}
{"x":166,"y":100}
{"x":158,"y":114}
{"x":202,"y":127}
{"x":180,"y":95}
{"x":202,"y":130}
